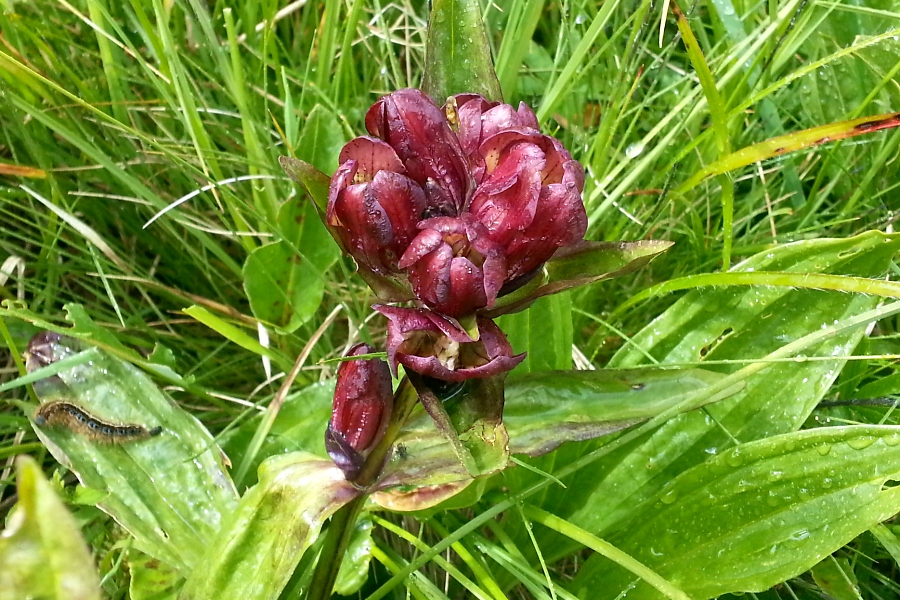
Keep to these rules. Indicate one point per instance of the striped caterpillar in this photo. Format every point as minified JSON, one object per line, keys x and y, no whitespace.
{"x":74,"y":418}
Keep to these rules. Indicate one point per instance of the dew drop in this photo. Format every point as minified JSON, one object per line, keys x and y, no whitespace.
{"x":634,"y":150}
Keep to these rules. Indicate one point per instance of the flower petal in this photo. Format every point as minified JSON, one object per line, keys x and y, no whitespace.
{"x":417,"y":340}
{"x":372,"y":155}
{"x":418,"y":131}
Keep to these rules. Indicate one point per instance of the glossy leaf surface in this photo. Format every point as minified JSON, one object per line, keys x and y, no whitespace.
{"x":582,"y":264}
{"x":457,"y":55}
{"x":42,"y":553}
{"x":758,"y":514}
{"x":170,"y":491}
{"x":732,"y":324}
{"x":265,"y":537}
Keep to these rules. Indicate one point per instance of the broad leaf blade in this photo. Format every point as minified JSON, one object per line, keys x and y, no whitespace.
{"x":257,"y":550}
{"x":42,"y":553}
{"x":736,"y":323}
{"x":758,"y":514}
{"x":170,"y":491}
{"x":284,"y":280}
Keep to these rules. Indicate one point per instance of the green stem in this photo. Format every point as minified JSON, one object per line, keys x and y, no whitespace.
{"x":342,"y":523}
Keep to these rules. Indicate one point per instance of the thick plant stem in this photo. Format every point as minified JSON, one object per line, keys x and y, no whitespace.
{"x":341,"y":527}
{"x":336,"y":540}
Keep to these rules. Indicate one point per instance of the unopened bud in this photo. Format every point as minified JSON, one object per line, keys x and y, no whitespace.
{"x":363,"y":400}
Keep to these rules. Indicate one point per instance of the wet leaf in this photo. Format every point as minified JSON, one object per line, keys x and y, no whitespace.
{"x":582,"y":264}
{"x":725,"y":323}
{"x":355,"y":567}
{"x":170,"y":491}
{"x":284,"y":280}
{"x":546,"y":409}
{"x":42,"y":553}
{"x":265,"y":537}
{"x":757,"y":514}
{"x":543,"y":410}
{"x":457,"y":53}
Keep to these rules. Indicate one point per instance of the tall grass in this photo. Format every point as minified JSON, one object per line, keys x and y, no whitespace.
{"x":112,"y":112}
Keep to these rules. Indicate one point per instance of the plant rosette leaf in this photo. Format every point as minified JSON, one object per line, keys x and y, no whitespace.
{"x":739,"y":324}
{"x":284,"y":280}
{"x":275,"y":522}
{"x":758,"y":514}
{"x":171,"y":491}
{"x":542,"y":411}
{"x":42,"y":553}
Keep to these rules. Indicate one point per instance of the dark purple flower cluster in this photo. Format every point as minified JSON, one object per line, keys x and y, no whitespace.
{"x":452,"y":208}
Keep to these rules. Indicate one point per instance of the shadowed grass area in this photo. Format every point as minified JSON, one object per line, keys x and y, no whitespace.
{"x":139,"y":146}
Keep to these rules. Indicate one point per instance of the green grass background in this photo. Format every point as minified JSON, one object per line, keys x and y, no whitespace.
{"x":127,"y":107}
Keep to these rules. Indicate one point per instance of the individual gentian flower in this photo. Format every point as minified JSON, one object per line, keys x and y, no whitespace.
{"x":438,"y":347}
{"x":362,"y":406}
{"x":528,"y":192}
{"x":453,"y":265}
{"x":373,"y":206}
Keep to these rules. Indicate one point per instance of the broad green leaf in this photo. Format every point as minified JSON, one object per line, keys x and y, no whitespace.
{"x":582,"y":264}
{"x":542,"y":411}
{"x":457,"y":53}
{"x":544,"y":331}
{"x":284,"y":280}
{"x":546,"y":409}
{"x":727,"y":323}
{"x":355,"y":566}
{"x":42,"y":553}
{"x":758,"y":514}
{"x":321,"y":140}
{"x":170,"y":491}
{"x":265,"y":537}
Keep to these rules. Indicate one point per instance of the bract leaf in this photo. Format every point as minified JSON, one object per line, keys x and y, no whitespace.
{"x":457,"y":53}
{"x":583,"y":264}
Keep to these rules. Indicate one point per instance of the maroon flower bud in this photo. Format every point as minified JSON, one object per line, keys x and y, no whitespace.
{"x":362,"y":406}
{"x":413,"y":125}
{"x":373,"y":206}
{"x":453,"y":265}
{"x":439,"y":347}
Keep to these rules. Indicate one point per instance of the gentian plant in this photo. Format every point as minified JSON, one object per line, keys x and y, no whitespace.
{"x":465,"y":222}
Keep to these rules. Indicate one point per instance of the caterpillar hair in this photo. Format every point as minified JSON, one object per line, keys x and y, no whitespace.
{"x":77,"y":420}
